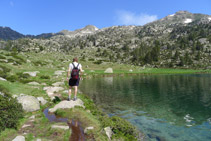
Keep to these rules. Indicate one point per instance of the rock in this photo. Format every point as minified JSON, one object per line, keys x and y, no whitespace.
{"x":39,"y":140}
{"x":14,"y":96}
{"x":58,"y":84}
{"x":25,"y":125}
{"x":130,"y":70}
{"x":41,"y":100}
{"x":29,"y":103}
{"x":51,"y":90}
{"x":33,"y":83}
{"x":108,"y":70}
{"x":60,"y":127}
{"x":2,"y":79}
{"x":32,"y":117}
{"x":59,"y":72}
{"x":67,"y":105}
{"x":28,"y":61}
{"x":88,"y":128}
{"x":19,"y":138}
{"x":33,"y":74}
{"x":92,"y":71}
{"x":43,"y":84}
{"x":108,"y":132}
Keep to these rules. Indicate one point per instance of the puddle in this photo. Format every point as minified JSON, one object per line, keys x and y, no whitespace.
{"x":77,"y":130}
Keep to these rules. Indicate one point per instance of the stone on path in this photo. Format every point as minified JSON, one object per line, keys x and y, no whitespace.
{"x":108,"y":132}
{"x":41,"y":100}
{"x":29,"y":103}
{"x":33,"y":74}
{"x":50,"y":90}
{"x":108,"y":70}
{"x":67,"y":105}
{"x":60,"y":127}
{"x":19,"y":138}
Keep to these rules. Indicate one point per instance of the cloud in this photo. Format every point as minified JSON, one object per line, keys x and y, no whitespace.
{"x":11,"y":4}
{"x":130,"y":18}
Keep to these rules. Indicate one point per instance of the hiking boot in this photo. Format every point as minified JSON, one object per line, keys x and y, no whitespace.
{"x":74,"y":99}
{"x":68,"y":99}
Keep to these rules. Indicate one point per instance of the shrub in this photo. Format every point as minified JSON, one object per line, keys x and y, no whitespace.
{"x":12,"y":78}
{"x":11,"y":110}
{"x":45,"y":77}
{"x":39,"y":63}
{"x":2,"y":57}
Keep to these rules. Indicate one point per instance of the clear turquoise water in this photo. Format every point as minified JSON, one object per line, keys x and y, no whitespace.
{"x":164,"y":107}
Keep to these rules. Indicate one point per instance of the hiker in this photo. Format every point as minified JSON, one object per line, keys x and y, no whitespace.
{"x":74,"y":79}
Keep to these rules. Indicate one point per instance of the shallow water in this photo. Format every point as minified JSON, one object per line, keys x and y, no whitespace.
{"x":164,"y":107}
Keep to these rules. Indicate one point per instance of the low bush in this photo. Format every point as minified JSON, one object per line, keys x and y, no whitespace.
{"x":11,"y":110}
{"x":2,"y":57}
{"x":39,"y":63}
{"x":45,"y":77}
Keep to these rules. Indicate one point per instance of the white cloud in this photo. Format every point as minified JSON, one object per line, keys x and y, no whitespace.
{"x":11,"y":4}
{"x":130,"y":18}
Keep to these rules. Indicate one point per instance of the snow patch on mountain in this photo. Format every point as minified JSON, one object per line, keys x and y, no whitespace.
{"x":188,"y":20}
{"x":171,"y":15}
{"x":209,"y":18}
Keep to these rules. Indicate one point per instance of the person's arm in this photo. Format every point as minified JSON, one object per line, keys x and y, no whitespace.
{"x":81,"y":71}
{"x":68,"y":74}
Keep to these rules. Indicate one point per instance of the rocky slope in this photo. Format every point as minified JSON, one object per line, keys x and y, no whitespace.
{"x":179,"y":40}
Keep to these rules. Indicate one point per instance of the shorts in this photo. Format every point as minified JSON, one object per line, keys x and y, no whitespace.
{"x":73,"y":82}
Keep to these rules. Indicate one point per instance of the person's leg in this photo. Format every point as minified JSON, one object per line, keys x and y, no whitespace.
{"x":69,"y":93}
{"x":76,"y":90}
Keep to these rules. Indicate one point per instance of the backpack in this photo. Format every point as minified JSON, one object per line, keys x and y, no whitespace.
{"x":75,"y":72}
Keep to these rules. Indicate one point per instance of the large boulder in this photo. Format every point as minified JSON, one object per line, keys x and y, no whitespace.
{"x":2,"y":79}
{"x":41,"y":100}
{"x":33,"y":83}
{"x":108,"y":70}
{"x":58,"y":84}
{"x":67,"y":105}
{"x":29,"y":103}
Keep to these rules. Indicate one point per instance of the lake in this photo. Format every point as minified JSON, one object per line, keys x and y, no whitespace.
{"x":164,"y":107}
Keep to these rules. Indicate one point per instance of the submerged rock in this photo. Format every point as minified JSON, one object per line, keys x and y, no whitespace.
{"x":67,"y":105}
{"x":29,"y":103}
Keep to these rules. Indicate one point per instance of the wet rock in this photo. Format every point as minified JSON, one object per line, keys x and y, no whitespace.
{"x":109,"y":132}
{"x":108,"y":70}
{"x":29,"y":103}
{"x":67,"y":105}
{"x":60,"y":127}
{"x":19,"y":138}
{"x":88,"y":128}
{"x":41,"y":100}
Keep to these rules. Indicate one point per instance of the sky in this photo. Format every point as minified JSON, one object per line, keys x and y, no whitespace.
{"x":50,"y":16}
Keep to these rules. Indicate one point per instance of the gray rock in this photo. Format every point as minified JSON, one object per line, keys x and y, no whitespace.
{"x":33,"y":74}
{"x":58,"y":84}
{"x":59,"y":72}
{"x":2,"y":79}
{"x":108,"y":70}
{"x":88,"y":128}
{"x":33,"y":83}
{"x":67,"y":105}
{"x":29,"y":103}
{"x":41,"y":100}
{"x":130,"y":70}
{"x":51,"y":90}
{"x":19,"y":138}
{"x":109,"y":132}
{"x":60,"y":127}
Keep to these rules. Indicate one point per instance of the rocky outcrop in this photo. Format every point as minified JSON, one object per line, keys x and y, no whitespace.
{"x":32,"y":74}
{"x":67,"y":105}
{"x":41,"y":100}
{"x":29,"y":103}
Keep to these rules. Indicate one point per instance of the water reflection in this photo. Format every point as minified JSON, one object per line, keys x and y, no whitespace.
{"x":161,"y":100}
